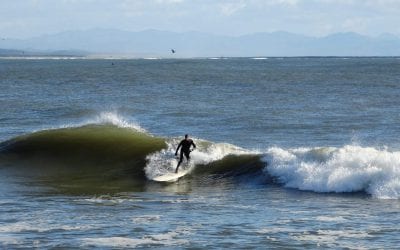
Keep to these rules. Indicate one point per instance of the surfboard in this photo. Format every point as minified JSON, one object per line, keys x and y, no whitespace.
{"x":170,"y":177}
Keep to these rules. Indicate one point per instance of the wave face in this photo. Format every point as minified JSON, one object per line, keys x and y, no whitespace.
{"x":329,"y":169}
{"x":90,"y":158}
{"x":94,"y":144}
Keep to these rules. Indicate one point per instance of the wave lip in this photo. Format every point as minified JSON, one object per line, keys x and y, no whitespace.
{"x":346,"y":169}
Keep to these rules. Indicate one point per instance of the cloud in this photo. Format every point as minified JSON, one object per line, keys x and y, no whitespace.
{"x":229,"y":9}
{"x":357,"y":24}
{"x":169,"y":1}
{"x":288,"y":2}
{"x":19,"y":18}
{"x":276,"y":2}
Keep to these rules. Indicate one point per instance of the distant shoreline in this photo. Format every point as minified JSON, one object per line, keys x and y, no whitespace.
{"x":155,"y":43}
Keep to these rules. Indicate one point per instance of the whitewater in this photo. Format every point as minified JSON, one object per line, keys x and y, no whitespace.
{"x":351,"y":168}
{"x":291,"y":153}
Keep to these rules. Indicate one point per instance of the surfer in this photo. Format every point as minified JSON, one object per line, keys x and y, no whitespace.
{"x":185,"y":145}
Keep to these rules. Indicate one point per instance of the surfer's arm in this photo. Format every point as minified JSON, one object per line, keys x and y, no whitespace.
{"x":176,"y":152}
{"x":194,"y":145}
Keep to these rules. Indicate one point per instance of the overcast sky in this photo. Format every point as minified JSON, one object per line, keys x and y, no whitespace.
{"x":27,"y":18}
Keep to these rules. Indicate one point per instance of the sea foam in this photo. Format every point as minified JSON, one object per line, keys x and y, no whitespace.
{"x":346,"y":169}
{"x":102,"y":118}
{"x":164,"y":162}
{"x":115,"y":119}
{"x":172,"y":238}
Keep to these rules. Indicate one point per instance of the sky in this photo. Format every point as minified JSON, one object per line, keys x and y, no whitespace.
{"x":29,"y":18}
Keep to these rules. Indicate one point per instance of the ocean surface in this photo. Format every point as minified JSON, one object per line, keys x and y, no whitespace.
{"x":292,"y":153}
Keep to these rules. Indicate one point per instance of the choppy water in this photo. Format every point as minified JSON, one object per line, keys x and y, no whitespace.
{"x":292,"y":153}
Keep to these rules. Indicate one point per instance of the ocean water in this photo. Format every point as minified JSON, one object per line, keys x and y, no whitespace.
{"x":291,"y":153}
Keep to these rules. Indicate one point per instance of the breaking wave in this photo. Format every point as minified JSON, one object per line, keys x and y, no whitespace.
{"x":109,"y":152}
{"x":329,"y":169}
{"x":203,"y":159}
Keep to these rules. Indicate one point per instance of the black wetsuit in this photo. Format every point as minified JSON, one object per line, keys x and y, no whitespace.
{"x":185,"y":150}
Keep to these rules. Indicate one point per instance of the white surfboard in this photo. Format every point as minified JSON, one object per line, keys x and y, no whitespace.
{"x":170,"y":177}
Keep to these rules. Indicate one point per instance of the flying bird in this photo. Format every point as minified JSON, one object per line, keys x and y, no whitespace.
{"x":173,"y":51}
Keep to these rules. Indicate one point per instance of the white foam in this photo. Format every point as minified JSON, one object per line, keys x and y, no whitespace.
{"x":330,"y":218}
{"x":9,"y":240}
{"x":102,"y":118}
{"x":347,"y":169}
{"x":38,"y":226}
{"x":105,"y":200}
{"x":164,"y":161}
{"x":112,"y":118}
{"x":167,"y":239}
{"x":115,"y":119}
{"x":146,"y":219}
{"x":109,"y":200}
{"x":330,"y":238}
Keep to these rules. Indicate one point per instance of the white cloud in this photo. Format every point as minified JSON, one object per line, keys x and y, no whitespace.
{"x":288,"y":2}
{"x":357,"y":24}
{"x":276,"y":2}
{"x":229,"y":9}
{"x":169,"y":1}
{"x":20,"y":18}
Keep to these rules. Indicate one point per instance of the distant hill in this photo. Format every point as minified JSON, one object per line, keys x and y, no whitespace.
{"x":10,"y":52}
{"x":44,"y":53}
{"x":196,"y":44}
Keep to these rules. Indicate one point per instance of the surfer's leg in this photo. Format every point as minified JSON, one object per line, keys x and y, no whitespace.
{"x":187,"y":154}
{"x":180,"y":161}
{"x":177,"y":167}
